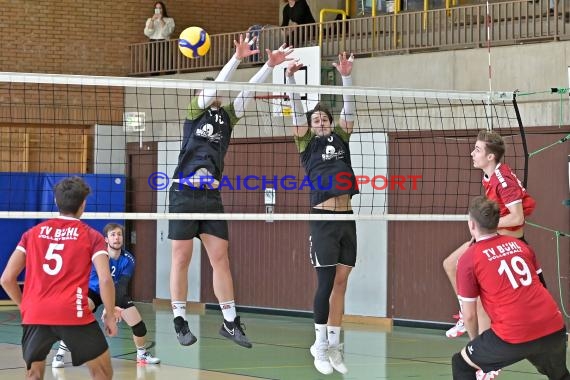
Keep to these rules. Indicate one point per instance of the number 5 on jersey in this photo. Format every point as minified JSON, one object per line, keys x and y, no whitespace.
{"x":51,"y":255}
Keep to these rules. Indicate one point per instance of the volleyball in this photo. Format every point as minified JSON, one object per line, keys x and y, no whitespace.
{"x":194,"y":42}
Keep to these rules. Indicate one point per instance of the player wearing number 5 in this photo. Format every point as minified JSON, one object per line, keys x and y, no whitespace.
{"x":525,"y":320}
{"x":57,"y":255}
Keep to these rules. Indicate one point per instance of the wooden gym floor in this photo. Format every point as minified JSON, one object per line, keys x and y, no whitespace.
{"x":280,"y":351}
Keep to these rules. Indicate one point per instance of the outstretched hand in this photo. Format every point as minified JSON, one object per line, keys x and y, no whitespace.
{"x":243,"y":46}
{"x":278,"y":56}
{"x":344,"y":65}
{"x":293,"y":66}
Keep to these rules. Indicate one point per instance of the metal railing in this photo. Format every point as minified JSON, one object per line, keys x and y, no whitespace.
{"x":511,"y":22}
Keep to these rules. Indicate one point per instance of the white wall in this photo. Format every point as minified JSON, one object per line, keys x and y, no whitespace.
{"x":110,"y":149}
{"x":367,"y":289}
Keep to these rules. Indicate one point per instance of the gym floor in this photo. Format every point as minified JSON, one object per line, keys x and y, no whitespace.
{"x":280,"y":351}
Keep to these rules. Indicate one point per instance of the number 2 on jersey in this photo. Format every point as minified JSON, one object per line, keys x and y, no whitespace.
{"x":518,"y":266}
{"x":51,"y":255}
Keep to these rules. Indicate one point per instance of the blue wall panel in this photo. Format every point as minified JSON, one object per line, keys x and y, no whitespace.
{"x":34,"y":192}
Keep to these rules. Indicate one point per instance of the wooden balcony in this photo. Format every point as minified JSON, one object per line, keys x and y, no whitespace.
{"x":510,"y":23}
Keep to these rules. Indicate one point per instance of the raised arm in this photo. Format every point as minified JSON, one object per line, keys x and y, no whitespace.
{"x":274,"y":58}
{"x":207,"y":96}
{"x":300,"y":126}
{"x":168,"y":27}
{"x":348,"y":114}
{"x":149,"y":28}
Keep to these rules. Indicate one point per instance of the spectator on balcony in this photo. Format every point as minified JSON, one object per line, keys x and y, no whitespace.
{"x":297,"y":12}
{"x":159,"y":27}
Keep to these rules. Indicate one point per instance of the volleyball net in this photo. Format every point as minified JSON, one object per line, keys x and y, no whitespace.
{"x":410,"y":149}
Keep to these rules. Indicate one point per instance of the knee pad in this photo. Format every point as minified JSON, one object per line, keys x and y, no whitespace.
{"x":125,"y":302}
{"x":139,"y":329}
{"x":461,"y":369}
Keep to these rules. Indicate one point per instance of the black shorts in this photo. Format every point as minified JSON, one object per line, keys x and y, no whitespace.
{"x":332,"y":242}
{"x":85,"y":342}
{"x":547,"y":354}
{"x":184,"y":199}
{"x":123,"y":303}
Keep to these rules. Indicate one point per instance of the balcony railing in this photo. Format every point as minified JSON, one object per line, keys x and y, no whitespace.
{"x":511,"y":22}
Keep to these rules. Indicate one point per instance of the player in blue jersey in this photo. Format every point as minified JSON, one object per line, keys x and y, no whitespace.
{"x":122,"y":264}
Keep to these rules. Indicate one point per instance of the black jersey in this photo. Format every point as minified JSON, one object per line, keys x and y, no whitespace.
{"x":299,"y":13}
{"x":327,"y":163}
{"x":206,"y":139}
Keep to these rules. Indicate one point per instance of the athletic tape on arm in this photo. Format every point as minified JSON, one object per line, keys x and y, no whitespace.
{"x":347,"y":112}
{"x":208,"y":95}
{"x":244,"y":98}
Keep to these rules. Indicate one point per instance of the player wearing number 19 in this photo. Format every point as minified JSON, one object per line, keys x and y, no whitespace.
{"x":57,"y":255}
{"x":525,"y":320}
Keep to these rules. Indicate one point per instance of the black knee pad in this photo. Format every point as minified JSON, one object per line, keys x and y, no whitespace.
{"x":461,"y":369}
{"x":139,"y":329}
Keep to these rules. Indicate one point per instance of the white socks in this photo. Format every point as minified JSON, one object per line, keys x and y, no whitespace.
{"x":229,"y":310}
{"x":179,"y":309}
{"x":320,"y":334}
{"x":333,"y":335}
{"x":327,"y":334}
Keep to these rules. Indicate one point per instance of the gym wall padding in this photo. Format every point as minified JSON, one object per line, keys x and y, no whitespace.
{"x":34,"y":192}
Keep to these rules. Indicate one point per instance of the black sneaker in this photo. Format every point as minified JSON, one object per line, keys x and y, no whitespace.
{"x":185,"y":337}
{"x":234,"y":331}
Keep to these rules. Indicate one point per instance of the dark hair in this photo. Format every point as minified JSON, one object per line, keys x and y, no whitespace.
{"x":164,"y":12}
{"x":70,"y":194}
{"x":112,"y":226}
{"x":321,"y":108}
{"x":485,"y":213}
{"x":494,"y":144}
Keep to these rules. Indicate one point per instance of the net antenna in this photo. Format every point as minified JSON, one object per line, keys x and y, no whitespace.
{"x":567,"y":201}
{"x":489,"y":21}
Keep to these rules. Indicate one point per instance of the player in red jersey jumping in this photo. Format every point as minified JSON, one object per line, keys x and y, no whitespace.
{"x":502,"y":186}
{"x":525,"y":321}
{"x":57,"y":255}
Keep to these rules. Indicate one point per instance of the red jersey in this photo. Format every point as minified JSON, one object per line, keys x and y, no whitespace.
{"x":502,"y":270}
{"x":59,"y":254}
{"x":505,"y":188}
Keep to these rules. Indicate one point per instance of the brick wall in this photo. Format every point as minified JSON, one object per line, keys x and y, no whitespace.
{"x":93,"y":37}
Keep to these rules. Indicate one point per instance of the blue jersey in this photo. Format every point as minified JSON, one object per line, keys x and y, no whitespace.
{"x":124,"y":265}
